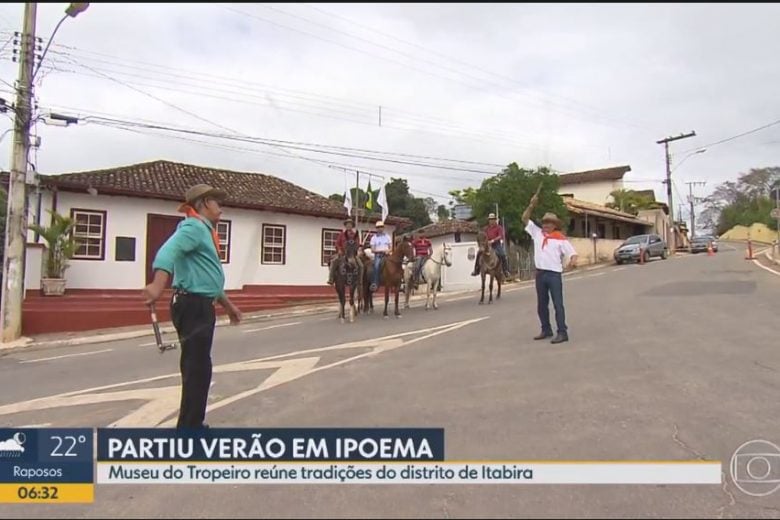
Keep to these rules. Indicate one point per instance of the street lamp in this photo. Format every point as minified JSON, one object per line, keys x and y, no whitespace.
{"x":688,"y":157}
{"x":73,"y":10}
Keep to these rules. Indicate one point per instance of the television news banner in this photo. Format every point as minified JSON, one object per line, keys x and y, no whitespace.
{"x":64,"y":465}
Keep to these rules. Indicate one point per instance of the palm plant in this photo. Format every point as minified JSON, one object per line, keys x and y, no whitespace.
{"x":61,"y":244}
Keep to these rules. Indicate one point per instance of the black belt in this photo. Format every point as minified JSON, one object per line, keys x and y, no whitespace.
{"x":181,"y":293}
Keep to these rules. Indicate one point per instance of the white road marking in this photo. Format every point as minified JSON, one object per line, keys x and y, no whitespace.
{"x":765,"y":268}
{"x":273,"y":327}
{"x":159,"y":403}
{"x":66,"y":356}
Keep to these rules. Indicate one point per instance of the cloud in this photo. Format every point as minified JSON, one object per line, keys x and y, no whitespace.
{"x":576,"y":87}
{"x":11,"y":445}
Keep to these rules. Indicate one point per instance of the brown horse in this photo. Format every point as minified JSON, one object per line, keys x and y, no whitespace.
{"x":349,"y":273}
{"x":489,"y":264}
{"x":392,"y":274}
{"x":365,"y":296}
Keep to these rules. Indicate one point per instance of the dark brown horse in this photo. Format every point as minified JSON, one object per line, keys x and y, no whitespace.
{"x":349,"y":273}
{"x":365,"y":296}
{"x":392,"y":274}
{"x":489,"y":264}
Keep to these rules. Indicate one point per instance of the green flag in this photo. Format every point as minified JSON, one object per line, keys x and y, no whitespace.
{"x":370,"y":201}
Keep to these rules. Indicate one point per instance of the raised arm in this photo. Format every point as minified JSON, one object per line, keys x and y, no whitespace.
{"x":531,"y":206}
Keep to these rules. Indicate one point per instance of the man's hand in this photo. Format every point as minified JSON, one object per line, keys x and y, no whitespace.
{"x":152,"y":292}
{"x":232,"y":311}
{"x":573,"y":262}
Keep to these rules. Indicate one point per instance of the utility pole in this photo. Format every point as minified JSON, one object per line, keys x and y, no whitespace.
{"x":16,"y":225}
{"x":356,"y":202}
{"x":692,"y":200}
{"x":668,"y":180}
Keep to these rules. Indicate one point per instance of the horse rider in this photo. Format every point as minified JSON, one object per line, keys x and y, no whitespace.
{"x":423,"y":249}
{"x":347,"y":235}
{"x":494,"y":232}
{"x":380,"y":246}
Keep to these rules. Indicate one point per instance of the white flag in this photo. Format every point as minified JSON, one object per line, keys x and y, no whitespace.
{"x":382,"y":201}
{"x":348,"y":202}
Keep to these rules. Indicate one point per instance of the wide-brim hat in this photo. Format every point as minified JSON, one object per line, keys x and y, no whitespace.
{"x":380,"y":224}
{"x":553,"y":218}
{"x":492,"y":216}
{"x":203,"y":191}
{"x":348,"y":221}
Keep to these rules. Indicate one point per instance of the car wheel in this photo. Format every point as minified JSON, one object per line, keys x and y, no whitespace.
{"x":619,"y":262}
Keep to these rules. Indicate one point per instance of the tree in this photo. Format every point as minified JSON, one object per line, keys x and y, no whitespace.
{"x":742,"y":202}
{"x":442,"y":213}
{"x":512,"y":190}
{"x":630,"y":201}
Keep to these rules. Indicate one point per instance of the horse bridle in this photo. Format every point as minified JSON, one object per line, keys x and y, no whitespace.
{"x":439,"y":262}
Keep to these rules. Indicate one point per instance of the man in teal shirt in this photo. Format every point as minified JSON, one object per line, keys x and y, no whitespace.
{"x":191,"y":255}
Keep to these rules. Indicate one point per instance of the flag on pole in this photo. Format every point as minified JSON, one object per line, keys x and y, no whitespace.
{"x":348,"y":202}
{"x":370,"y":201}
{"x":382,"y":201}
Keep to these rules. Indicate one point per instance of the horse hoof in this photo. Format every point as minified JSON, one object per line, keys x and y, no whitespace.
{"x":482,"y":303}
{"x":398,"y":316}
{"x":342,"y":321}
{"x":436,"y":307}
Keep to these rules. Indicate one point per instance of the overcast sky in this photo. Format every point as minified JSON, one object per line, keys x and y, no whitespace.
{"x":575,"y":87}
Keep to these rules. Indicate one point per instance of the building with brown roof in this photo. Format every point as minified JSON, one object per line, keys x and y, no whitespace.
{"x":273,"y":232}
{"x":593,"y":186}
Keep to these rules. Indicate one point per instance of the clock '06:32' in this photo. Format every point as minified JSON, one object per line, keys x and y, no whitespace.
{"x":37,"y":493}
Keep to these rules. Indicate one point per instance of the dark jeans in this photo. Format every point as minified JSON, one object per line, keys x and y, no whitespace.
{"x":194,"y":318}
{"x":550,"y":283}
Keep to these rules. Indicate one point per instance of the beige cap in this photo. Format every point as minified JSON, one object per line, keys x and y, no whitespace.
{"x":380,"y":224}
{"x":200,"y":191}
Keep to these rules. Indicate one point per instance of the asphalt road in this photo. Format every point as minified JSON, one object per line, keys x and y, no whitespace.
{"x":672,"y":360}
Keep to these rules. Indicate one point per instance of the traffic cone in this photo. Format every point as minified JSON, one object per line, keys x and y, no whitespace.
{"x":710,"y":252}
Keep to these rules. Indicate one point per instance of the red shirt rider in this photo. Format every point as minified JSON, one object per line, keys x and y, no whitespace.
{"x":494,"y":231}
{"x":422,"y":246}
{"x":345,"y":236}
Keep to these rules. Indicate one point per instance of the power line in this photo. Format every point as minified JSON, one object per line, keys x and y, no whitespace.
{"x":454,"y":60}
{"x":362,"y":51}
{"x":743,"y":134}
{"x":407,"y":122}
{"x":307,"y":146}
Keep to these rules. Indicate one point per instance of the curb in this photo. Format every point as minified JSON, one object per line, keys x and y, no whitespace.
{"x":292,"y":312}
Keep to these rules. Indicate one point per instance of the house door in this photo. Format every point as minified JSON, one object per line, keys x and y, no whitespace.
{"x":158,"y":229}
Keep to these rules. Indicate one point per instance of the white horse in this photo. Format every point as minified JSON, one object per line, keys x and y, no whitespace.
{"x":431,"y":275}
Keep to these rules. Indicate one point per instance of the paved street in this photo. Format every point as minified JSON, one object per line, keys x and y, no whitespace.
{"x":676,"y":359}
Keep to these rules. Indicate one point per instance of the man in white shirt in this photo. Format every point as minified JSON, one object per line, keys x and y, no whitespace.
{"x":380,"y":246}
{"x":551,"y":247}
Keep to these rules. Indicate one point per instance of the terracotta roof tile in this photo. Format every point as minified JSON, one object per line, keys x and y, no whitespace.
{"x":448,"y":227}
{"x":169,"y":180}
{"x":580,"y":207}
{"x":604,"y":174}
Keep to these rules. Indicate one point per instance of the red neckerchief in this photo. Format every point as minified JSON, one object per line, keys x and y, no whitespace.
{"x":190,"y":212}
{"x":555,"y":235}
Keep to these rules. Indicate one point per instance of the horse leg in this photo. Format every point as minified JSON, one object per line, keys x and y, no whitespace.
{"x":387,"y":298}
{"x":498,"y":296}
{"x":352,"y":304}
{"x":397,"y":295}
{"x":435,"y":293}
{"x":492,"y":277}
{"x":482,"y":299}
{"x":408,"y":291}
{"x":341,"y":302}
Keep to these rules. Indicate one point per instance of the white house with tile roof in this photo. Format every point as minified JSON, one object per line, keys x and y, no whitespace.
{"x":273,"y":232}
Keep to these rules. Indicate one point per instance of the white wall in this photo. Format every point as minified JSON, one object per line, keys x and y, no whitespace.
{"x":127,"y":217}
{"x":458,"y":277}
{"x":595,"y":192}
{"x":605,"y":249}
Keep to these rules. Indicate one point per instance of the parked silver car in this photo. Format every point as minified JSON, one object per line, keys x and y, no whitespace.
{"x":700,"y":243}
{"x":648,"y":245}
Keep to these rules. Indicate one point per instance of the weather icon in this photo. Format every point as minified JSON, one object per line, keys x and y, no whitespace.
{"x":13,"y":447}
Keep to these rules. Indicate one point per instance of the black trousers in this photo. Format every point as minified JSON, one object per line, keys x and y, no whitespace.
{"x":194,"y":318}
